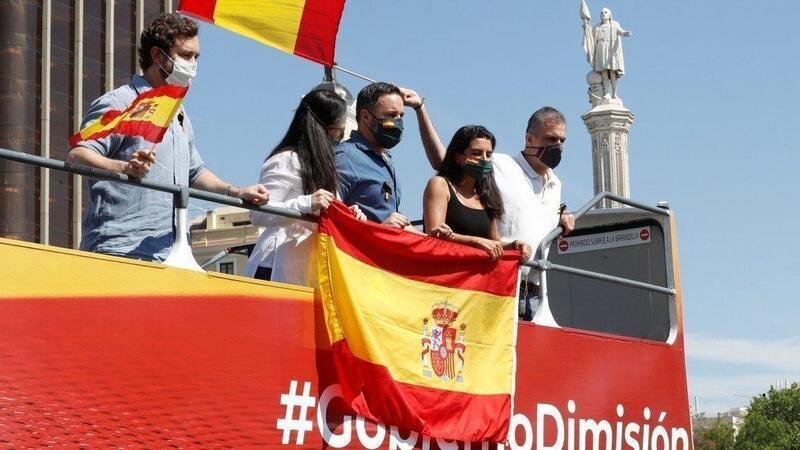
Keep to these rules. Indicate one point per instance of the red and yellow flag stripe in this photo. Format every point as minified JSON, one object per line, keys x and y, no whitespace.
{"x":148,"y":116}
{"x":422,"y":330}
{"x":306,"y":28}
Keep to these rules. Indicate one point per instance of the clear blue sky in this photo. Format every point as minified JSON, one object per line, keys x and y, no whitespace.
{"x":715,"y":92}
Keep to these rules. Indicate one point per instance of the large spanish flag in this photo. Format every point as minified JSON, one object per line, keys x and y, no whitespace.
{"x":305,"y":28}
{"x":148,"y":116}
{"x":423,"y":331}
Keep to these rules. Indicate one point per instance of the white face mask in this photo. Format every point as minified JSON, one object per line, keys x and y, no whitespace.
{"x":183,"y":71}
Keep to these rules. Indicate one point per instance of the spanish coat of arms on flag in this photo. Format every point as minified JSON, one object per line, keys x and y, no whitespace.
{"x":423,"y":331}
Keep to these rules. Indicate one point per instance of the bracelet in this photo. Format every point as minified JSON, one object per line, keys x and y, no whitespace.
{"x":228,"y":189}
{"x":420,"y":104}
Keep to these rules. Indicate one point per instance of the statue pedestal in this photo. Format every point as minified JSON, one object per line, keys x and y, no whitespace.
{"x":608,"y":124}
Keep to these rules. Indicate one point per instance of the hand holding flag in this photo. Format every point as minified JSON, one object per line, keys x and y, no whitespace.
{"x":148,"y":117}
{"x":139,"y":163}
{"x":422,"y":330}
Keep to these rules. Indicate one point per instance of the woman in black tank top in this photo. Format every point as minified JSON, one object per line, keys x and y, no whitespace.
{"x":462,"y":202}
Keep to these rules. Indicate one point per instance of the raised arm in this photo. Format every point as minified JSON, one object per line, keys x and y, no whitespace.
{"x":434,"y":149}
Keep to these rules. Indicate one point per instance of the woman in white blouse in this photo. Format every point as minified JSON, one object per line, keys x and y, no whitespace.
{"x":300,"y":174}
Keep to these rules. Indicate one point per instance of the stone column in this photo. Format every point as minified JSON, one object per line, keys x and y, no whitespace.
{"x":608,"y":125}
{"x":329,"y":83}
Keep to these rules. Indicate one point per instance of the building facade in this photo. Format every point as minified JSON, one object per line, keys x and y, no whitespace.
{"x":219,"y":230}
{"x":57,"y":56}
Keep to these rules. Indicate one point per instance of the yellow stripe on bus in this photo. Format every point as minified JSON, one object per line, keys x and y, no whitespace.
{"x":37,"y":271}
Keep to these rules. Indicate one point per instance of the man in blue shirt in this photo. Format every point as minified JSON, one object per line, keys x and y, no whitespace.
{"x":367,"y":175}
{"x":128,"y":220}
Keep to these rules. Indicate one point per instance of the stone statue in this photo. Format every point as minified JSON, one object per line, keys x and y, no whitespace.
{"x":603,"y":47}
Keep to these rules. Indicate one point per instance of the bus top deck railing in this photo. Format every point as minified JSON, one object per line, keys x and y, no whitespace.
{"x":542,"y":264}
{"x":181,"y":255}
{"x":544,"y":314}
{"x":181,"y":193}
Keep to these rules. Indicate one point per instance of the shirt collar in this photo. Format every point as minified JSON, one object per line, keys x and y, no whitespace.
{"x":532,"y":174}
{"x":362,"y":144}
{"x":140,"y":85}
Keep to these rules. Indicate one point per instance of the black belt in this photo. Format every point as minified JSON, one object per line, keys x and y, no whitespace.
{"x":263,"y":273}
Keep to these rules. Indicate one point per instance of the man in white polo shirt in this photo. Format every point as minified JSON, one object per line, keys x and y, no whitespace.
{"x":531,"y":193}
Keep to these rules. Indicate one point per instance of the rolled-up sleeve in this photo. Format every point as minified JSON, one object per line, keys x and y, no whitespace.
{"x":108,"y":145}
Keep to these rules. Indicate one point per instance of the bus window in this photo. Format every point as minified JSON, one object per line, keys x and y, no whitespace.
{"x":633,"y":250}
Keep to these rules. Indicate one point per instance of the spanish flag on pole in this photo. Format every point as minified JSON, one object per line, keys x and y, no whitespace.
{"x":306,"y":28}
{"x":423,"y":331}
{"x":148,"y":116}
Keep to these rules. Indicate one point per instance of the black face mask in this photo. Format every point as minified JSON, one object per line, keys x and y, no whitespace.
{"x":550,"y":156}
{"x":387,"y":132}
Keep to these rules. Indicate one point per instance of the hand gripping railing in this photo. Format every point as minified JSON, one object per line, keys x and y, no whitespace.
{"x":544,"y":315}
{"x":181,"y":253}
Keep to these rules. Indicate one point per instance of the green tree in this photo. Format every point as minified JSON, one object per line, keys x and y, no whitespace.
{"x":717,"y":437}
{"x":772,"y":422}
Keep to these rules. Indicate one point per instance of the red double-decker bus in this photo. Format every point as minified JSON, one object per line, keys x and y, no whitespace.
{"x":101,"y":351}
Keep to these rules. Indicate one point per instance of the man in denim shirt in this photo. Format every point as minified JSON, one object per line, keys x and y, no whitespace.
{"x":367,"y":176}
{"x":136,"y":222}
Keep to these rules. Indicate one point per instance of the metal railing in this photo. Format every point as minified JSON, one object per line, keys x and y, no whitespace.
{"x":180,"y":193}
{"x":181,"y":255}
{"x":544,"y":314}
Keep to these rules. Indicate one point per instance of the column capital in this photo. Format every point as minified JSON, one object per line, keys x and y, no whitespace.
{"x":608,"y":119}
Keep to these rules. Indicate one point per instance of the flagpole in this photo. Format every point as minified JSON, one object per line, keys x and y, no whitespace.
{"x":350,"y":72}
